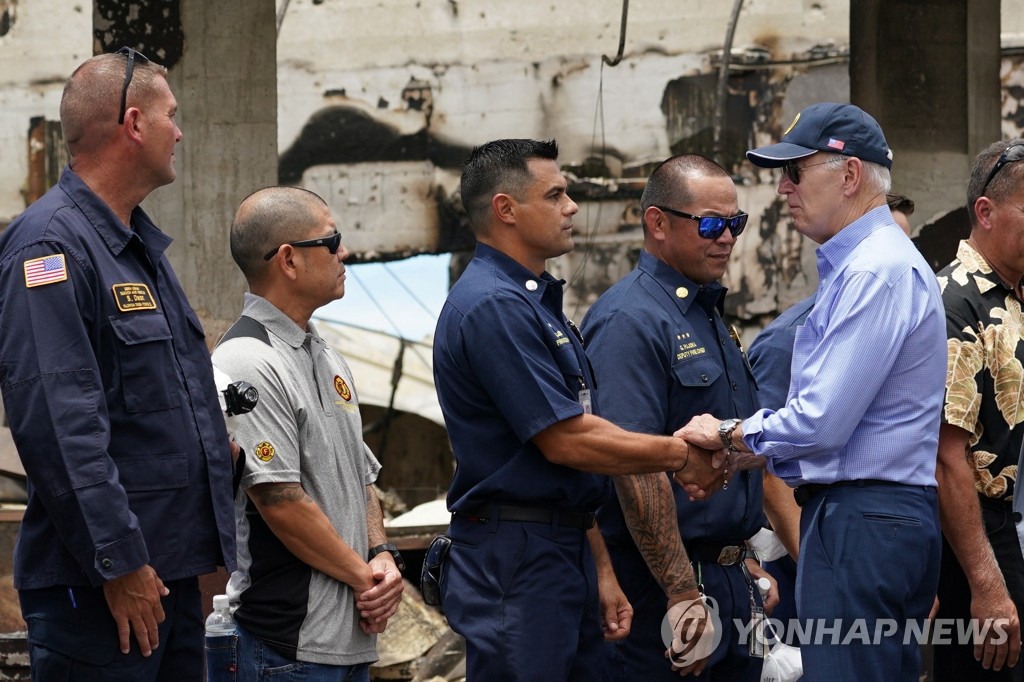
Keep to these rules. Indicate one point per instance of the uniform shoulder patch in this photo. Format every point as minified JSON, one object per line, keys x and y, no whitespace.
{"x":45,"y":270}
{"x":265,"y":451}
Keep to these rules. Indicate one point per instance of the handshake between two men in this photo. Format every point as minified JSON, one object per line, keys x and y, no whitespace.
{"x":716,"y":453}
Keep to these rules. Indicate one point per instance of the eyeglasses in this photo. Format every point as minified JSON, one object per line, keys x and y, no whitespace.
{"x":332,"y":243}
{"x":792,"y":170}
{"x":1015,"y":152}
{"x":132,"y":55}
{"x":712,"y":227}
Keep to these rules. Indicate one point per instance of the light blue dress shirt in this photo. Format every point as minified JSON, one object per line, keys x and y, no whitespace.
{"x":869,"y":367}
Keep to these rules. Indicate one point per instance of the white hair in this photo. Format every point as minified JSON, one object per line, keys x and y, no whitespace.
{"x":876,"y":176}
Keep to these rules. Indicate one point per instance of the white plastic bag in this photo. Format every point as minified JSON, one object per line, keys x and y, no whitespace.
{"x":782,"y":664}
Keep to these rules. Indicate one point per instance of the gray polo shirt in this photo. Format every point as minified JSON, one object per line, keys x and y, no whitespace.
{"x":306,"y":428}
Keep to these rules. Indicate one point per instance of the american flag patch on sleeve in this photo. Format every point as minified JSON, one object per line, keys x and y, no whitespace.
{"x":45,"y":270}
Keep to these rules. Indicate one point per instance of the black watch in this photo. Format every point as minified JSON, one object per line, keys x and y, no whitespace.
{"x":389,"y":547}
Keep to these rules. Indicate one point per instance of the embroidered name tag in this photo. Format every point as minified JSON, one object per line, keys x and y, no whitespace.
{"x":130,"y":297}
{"x":45,"y":270}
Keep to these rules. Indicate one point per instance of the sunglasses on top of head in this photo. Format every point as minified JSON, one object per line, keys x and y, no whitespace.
{"x":712,"y":227}
{"x":129,"y":69}
{"x":1015,"y":152}
{"x":332,"y":242}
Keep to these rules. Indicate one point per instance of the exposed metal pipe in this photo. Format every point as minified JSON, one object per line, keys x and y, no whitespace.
{"x":396,"y":376}
{"x":723,"y":82}
{"x":622,"y":37}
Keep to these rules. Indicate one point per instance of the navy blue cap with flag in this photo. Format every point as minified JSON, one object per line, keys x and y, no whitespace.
{"x":827,"y":127}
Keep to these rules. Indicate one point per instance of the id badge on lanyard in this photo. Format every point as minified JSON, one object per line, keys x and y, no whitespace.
{"x":586,"y":402}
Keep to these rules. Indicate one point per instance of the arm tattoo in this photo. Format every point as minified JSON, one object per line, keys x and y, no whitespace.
{"x":374,"y":518}
{"x":651,"y":517}
{"x":270,"y":494}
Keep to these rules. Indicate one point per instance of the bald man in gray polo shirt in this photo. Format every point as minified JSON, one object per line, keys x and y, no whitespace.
{"x":316,"y":579}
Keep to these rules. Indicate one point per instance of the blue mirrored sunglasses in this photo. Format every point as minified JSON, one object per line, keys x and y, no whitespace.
{"x":712,"y":227}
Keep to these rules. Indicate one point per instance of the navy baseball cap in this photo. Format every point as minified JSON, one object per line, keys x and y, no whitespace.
{"x":827,"y":127}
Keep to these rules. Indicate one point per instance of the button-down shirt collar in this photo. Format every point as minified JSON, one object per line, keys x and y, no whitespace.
{"x":548,"y":290}
{"x":109,"y":227}
{"x":671,"y":280}
{"x":837,"y":250}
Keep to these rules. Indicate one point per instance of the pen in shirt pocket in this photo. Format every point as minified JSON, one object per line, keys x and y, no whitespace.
{"x":71,"y":594}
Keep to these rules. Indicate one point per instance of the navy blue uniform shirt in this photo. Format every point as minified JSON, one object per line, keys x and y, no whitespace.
{"x":109,"y":390}
{"x":507,"y":366}
{"x":663,"y":355}
{"x":771,"y":353}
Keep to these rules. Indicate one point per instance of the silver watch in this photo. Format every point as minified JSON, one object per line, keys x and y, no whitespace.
{"x":725,"y":430}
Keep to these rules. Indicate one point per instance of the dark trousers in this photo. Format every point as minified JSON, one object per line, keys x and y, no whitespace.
{"x":954,"y":661}
{"x":524,"y":595}
{"x":72,"y":636}
{"x":641,"y":656}
{"x":869,"y":564}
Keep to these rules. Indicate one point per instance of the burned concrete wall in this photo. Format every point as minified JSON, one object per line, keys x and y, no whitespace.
{"x":378,"y":104}
{"x":435,"y":78}
{"x":424,"y":81}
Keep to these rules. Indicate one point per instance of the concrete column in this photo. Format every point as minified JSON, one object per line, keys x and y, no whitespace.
{"x":929,"y":73}
{"x":226,"y":87}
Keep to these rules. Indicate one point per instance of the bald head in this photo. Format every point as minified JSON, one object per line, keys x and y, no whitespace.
{"x":92,"y":97}
{"x":268,"y":218}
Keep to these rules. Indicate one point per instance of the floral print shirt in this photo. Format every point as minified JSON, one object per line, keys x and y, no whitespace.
{"x":985,"y":377}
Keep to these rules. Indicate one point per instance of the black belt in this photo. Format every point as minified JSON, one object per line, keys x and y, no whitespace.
{"x":726,"y":555}
{"x":806,"y":492}
{"x":567,"y":518}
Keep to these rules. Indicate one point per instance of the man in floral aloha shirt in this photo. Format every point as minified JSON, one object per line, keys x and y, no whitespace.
{"x":982,"y":573}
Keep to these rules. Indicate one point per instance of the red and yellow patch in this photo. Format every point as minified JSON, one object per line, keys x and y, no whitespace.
{"x":342,"y":388}
{"x":265,"y":451}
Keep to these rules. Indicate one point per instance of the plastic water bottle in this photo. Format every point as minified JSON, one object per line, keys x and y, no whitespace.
{"x":220,"y":622}
{"x":763,"y":585}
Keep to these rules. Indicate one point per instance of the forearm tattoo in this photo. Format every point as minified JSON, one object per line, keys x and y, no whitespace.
{"x":651,"y":519}
{"x":270,"y":494}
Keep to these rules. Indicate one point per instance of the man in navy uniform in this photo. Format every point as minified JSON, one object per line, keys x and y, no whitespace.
{"x":109,"y":389}
{"x":528,"y":582}
{"x":657,"y":339}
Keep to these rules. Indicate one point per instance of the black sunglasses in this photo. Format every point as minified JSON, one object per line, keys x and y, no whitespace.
{"x":332,"y":243}
{"x":712,"y":227}
{"x":132,"y":55}
{"x":1015,"y":152}
{"x":792,"y":170}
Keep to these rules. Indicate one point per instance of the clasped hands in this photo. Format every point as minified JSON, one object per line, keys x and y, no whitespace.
{"x":709,"y":465}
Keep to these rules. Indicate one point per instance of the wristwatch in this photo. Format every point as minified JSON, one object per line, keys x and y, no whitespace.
{"x":725,"y":430}
{"x":389,"y":547}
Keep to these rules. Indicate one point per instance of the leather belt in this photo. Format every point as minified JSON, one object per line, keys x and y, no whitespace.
{"x":725,"y":555}
{"x":806,"y":492}
{"x":567,"y":518}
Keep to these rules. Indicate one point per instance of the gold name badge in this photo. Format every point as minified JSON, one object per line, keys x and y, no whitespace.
{"x":131,"y":297}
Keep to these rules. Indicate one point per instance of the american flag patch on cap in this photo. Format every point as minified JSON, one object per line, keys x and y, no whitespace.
{"x":45,"y":270}
{"x":833,"y":143}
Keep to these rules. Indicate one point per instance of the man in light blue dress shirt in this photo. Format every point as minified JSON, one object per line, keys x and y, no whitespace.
{"x":858,"y":434}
